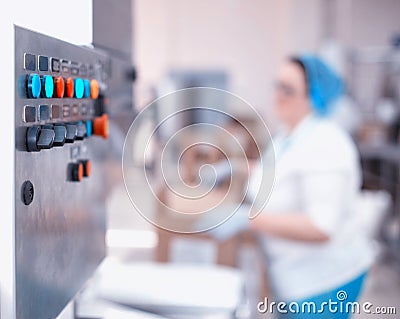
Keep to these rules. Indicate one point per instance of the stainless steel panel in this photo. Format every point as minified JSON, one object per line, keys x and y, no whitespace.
{"x":120,"y":88}
{"x":59,"y":237}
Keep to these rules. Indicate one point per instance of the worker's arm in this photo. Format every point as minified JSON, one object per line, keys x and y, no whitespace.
{"x":326,"y":196}
{"x":295,"y":226}
{"x":324,"y":210}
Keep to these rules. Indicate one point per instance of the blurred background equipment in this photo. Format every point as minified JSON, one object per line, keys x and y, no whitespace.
{"x":246,"y":42}
{"x":58,"y":223}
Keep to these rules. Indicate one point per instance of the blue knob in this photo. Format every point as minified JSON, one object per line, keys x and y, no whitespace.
{"x":86,"y":84}
{"x":47,"y":86}
{"x":33,"y":86}
{"x":89,"y":128}
{"x":79,"y":88}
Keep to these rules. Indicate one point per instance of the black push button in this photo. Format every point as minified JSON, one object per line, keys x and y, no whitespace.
{"x":55,"y":65}
{"x":81,"y":131}
{"x":29,"y":114}
{"x":74,"y":68}
{"x":55,"y":112}
{"x":30,"y":62}
{"x":71,"y":133}
{"x":44,"y":112}
{"x":82,"y":70}
{"x":66,"y":111}
{"x":65,"y":66}
{"x":46,"y":138}
{"x":60,"y":135}
{"x":43,"y":63}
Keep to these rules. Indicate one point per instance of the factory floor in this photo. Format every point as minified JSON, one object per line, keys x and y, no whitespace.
{"x":382,"y":287}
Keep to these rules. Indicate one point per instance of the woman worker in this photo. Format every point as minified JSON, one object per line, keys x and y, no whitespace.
{"x":314,"y":249}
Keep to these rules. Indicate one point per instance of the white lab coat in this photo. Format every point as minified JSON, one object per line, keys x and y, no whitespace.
{"x":317,"y":173}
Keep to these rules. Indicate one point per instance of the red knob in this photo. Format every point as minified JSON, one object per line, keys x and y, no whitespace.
{"x":100,"y":126}
{"x":58,"y":87}
{"x":69,"y":87}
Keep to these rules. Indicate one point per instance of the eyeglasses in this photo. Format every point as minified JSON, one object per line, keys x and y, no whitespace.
{"x":285,"y":89}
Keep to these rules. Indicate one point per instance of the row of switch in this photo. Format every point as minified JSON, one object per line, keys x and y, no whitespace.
{"x":48,"y":136}
{"x":57,"y":65}
{"x":47,"y":87}
{"x":80,"y":170}
{"x":45,"y":112}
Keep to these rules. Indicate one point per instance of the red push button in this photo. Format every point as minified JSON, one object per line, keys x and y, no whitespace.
{"x":69,"y":87}
{"x":58,"y":87}
{"x":100,"y":126}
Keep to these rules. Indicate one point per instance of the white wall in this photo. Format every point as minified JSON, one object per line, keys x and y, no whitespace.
{"x":247,"y":39}
{"x":372,"y":22}
{"x":70,"y":21}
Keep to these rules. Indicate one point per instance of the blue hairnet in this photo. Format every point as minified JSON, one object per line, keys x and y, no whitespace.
{"x":324,"y":85}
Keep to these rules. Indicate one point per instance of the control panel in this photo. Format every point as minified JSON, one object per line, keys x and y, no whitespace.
{"x":61,"y":158}
{"x":62,"y":101}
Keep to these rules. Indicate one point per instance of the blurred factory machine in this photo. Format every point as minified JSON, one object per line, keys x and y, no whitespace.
{"x":71,"y":106}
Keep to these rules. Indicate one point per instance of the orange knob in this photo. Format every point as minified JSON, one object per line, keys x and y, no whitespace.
{"x":80,"y":172}
{"x":77,"y":172}
{"x":69,"y":87}
{"x":58,"y":87}
{"x":100,"y":126}
{"x":94,"y":89}
{"x":87,"y":167}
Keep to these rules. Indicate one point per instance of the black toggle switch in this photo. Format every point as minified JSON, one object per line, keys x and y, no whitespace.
{"x":71,"y":133}
{"x":46,"y":138}
{"x":60,"y":135}
{"x":81,"y":131}
{"x":32,"y":136}
{"x":39,"y":138}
